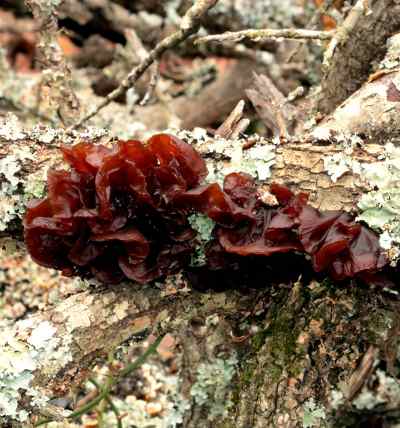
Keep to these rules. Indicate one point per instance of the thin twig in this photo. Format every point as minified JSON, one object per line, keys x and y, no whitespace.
{"x":111,"y":381}
{"x":110,"y":403}
{"x":266,"y":34}
{"x":189,"y":25}
{"x":155,"y":74}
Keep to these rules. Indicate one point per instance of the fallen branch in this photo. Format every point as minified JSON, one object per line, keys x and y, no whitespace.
{"x":189,"y":25}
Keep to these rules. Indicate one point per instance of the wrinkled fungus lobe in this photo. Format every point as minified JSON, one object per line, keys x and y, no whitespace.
{"x":122,"y":212}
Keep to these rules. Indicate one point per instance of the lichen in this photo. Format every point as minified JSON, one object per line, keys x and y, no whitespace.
{"x":251,"y":14}
{"x":11,"y":197}
{"x":20,"y":359}
{"x":211,"y":388}
{"x":313,"y":414}
{"x":257,"y":160}
{"x":380,"y":207}
{"x":387,"y":391}
{"x":204,"y":226}
{"x":338,"y":164}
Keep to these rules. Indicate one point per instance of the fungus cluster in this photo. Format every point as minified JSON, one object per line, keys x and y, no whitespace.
{"x":122,"y":212}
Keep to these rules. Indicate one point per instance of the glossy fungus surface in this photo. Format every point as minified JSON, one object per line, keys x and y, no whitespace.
{"x":122,"y":212}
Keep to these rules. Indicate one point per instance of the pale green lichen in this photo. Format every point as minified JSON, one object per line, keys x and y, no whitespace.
{"x":251,"y":14}
{"x":313,"y":414}
{"x":203,"y":225}
{"x":12,"y":201}
{"x":16,"y":189}
{"x":380,"y":208}
{"x":392,"y":56}
{"x":20,"y":359}
{"x":338,"y":164}
{"x":226,"y":156}
{"x":211,"y":388}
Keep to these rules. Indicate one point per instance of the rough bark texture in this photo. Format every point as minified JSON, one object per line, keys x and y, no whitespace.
{"x":357,"y":48}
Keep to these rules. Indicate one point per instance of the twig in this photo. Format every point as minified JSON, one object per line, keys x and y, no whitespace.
{"x":110,"y":403}
{"x":271,"y":105}
{"x":57,"y":73}
{"x":189,"y":25}
{"x":111,"y":381}
{"x":265,"y":34}
{"x":152,"y":84}
{"x":360,"y":376}
{"x":232,"y":122}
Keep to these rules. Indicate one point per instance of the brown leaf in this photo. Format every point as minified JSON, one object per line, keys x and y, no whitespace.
{"x":393,"y":94}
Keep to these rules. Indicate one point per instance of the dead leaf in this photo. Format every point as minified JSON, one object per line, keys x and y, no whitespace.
{"x":393,"y":94}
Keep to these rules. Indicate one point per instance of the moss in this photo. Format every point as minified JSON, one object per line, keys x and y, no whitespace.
{"x":258,"y":340}
{"x":377,"y":325}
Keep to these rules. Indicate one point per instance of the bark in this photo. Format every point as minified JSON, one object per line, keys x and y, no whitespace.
{"x":358,"y":45}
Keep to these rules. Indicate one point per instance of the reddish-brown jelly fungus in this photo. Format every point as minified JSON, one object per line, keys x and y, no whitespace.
{"x":123,"y":212}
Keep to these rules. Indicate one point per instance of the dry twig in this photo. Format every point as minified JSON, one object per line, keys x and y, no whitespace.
{"x":189,"y":25}
{"x":57,"y":74}
{"x":266,"y":34}
{"x":234,"y":124}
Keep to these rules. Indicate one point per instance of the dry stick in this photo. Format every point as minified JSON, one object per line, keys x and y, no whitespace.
{"x":189,"y":25}
{"x":265,"y":34}
{"x":230,"y":123}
